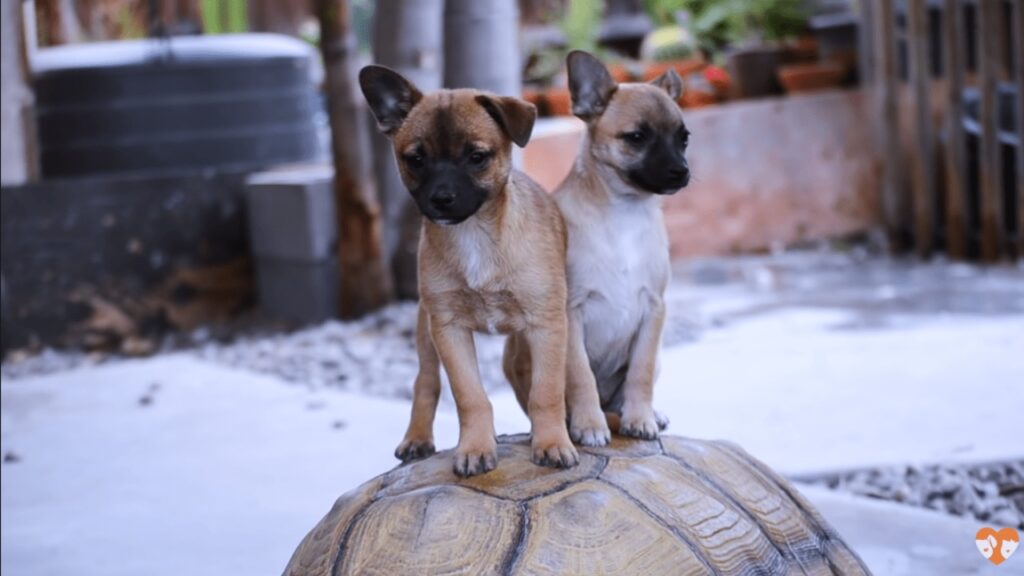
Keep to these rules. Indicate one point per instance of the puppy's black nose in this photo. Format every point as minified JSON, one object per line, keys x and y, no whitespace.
{"x":679,"y":173}
{"x":442,"y":200}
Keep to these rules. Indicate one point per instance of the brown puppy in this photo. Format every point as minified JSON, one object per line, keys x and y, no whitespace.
{"x":492,"y":259}
{"x":618,"y":261}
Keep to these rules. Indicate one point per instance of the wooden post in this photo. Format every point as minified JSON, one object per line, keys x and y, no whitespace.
{"x":364,"y":283}
{"x":990,"y":155}
{"x":407,"y":38}
{"x":956,"y":163}
{"x":1018,"y":34}
{"x":17,"y":127}
{"x":923,"y":157}
{"x":887,"y":118}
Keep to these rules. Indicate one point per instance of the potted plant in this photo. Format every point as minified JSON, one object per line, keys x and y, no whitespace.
{"x":756,"y":31}
{"x":577,"y":21}
{"x":810,"y":76}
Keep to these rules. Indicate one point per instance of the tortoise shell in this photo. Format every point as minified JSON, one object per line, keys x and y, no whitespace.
{"x":669,"y":506}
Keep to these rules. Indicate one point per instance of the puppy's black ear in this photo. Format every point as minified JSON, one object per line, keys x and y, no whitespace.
{"x":515,"y":116}
{"x":590,"y":84}
{"x":670,"y":82}
{"x":390,"y":96}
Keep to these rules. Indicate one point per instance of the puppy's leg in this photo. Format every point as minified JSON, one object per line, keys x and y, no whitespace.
{"x":517,"y":367}
{"x":550,"y":442}
{"x":614,"y":421}
{"x":477,"y":451}
{"x":587,"y":424}
{"x":419,"y":437}
{"x":638,"y":417}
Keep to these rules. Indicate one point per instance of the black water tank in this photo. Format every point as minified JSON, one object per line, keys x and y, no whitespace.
{"x":189,"y":103}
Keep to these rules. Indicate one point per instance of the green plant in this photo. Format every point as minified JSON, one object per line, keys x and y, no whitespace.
{"x":717,"y":23}
{"x":668,"y":43}
{"x":544,"y":66}
{"x":580,"y":24}
{"x":663,"y":12}
{"x":224,"y":16}
{"x":770,"y":20}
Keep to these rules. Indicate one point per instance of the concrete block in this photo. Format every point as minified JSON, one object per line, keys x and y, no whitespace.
{"x":291,"y":214}
{"x":298,"y":291}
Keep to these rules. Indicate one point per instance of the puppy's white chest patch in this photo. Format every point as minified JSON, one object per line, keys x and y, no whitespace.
{"x":618,"y":269}
{"x":476,"y":254}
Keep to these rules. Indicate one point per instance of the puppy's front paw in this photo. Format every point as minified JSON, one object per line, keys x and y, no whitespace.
{"x":414,"y":448}
{"x":589,"y":429}
{"x":640,"y":423}
{"x":662,"y":420}
{"x":473,"y":460}
{"x":557,"y":452}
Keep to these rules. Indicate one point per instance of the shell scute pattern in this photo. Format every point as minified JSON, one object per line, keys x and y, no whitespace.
{"x":674,"y":506}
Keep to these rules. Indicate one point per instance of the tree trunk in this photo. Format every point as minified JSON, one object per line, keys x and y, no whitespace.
{"x":279,"y":16}
{"x":17,"y":128}
{"x":59,"y":21}
{"x":407,"y":38}
{"x":364,"y":283}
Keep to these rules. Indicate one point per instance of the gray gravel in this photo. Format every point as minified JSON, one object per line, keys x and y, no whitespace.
{"x":375,"y":355}
{"x":24,"y":364}
{"x":991,"y":493}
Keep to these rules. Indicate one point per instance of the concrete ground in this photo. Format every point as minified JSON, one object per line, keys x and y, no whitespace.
{"x":180,"y":465}
{"x":897,"y":540}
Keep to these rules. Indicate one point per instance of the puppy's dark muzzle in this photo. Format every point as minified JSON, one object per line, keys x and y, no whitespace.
{"x":665,"y":182}
{"x":442,"y":201}
{"x":663,"y":169}
{"x":677,"y":178}
{"x":447,"y":194}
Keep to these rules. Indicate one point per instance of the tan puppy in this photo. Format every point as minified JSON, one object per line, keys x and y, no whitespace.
{"x":492,"y":259}
{"x":618,"y":261}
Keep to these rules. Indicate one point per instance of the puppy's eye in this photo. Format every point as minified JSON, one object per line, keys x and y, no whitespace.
{"x":414,"y":160}
{"x":479,"y":158}
{"x":684,"y":137}
{"x":635,"y":137}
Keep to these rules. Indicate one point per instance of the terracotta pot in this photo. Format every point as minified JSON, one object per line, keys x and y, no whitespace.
{"x":696,"y":99}
{"x":682,"y":67}
{"x":536,"y":97}
{"x":559,"y":102}
{"x":754,"y":70}
{"x":809,"y":77}
{"x":620,"y":73}
{"x":804,"y":49}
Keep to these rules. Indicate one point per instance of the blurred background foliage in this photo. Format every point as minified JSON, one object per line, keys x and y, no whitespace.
{"x":718,"y":23}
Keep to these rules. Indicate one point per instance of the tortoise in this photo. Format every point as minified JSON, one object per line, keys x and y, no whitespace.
{"x":668,"y":506}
